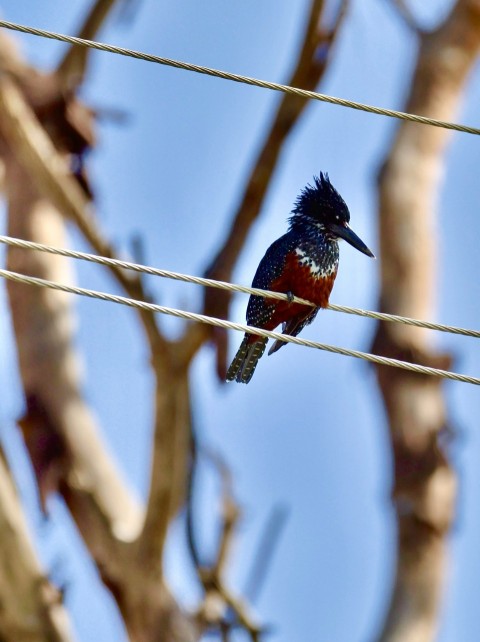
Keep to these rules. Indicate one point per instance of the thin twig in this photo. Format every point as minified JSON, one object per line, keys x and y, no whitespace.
{"x":240,"y":611}
{"x":265,"y":552}
{"x":230,"y":514}
{"x":210,"y":576}
{"x":192,"y":543}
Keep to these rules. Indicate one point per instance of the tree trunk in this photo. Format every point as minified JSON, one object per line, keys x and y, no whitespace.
{"x":425,"y":483}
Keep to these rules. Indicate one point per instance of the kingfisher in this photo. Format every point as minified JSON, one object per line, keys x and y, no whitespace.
{"x":302,"y":263}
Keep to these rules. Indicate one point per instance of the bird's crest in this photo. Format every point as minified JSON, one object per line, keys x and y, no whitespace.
{"x":318,"y":201}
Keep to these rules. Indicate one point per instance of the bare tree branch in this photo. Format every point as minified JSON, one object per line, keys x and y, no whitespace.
{"x":240,"y":611}
{"x":170,"y":458}
{"x":52,"y":176}
{"x":32,"y":607}
{"x":425,"y":483}
{"x":221,"y":608}
{"x":406,"y":15}
{"x":193,"y":545}
{"x":109,"y":533}
{"x":43,"y":324}
{"x":310,"y":67}
{"x":230,"y":515}
{"x":72,"y":68}
{"x":102,"y":507}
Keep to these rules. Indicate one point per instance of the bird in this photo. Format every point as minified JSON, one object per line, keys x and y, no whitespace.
{"x":302,"y":263}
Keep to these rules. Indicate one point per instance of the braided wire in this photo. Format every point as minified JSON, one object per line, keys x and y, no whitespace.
{"x":256,"y":82}
{"x":232,"y":287}
{"x":240,"y":327}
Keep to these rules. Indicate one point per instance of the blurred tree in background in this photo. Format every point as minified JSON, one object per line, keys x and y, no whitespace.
{"x":46,"y":130}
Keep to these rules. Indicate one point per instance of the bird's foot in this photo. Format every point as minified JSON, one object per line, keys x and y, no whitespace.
{"x":290,"y":296}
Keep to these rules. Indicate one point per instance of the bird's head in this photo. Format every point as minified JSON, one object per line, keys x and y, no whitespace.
{"x":320,"y":206}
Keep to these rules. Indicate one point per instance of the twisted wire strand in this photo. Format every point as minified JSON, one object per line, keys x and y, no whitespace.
{"x":240,"y":327}
{"x":224,"y":285}
{"x":256,"y":82}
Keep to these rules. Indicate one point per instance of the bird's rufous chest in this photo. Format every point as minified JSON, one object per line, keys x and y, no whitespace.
{"x":308,"y":277}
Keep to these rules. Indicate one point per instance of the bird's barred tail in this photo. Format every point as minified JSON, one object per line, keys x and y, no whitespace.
{"x":245,"y":361}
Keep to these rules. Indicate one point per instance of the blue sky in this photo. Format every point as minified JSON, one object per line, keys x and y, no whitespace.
{"x":309,"y":431}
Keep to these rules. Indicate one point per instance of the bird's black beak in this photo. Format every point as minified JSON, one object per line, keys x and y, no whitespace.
{"x":345,"y":232}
